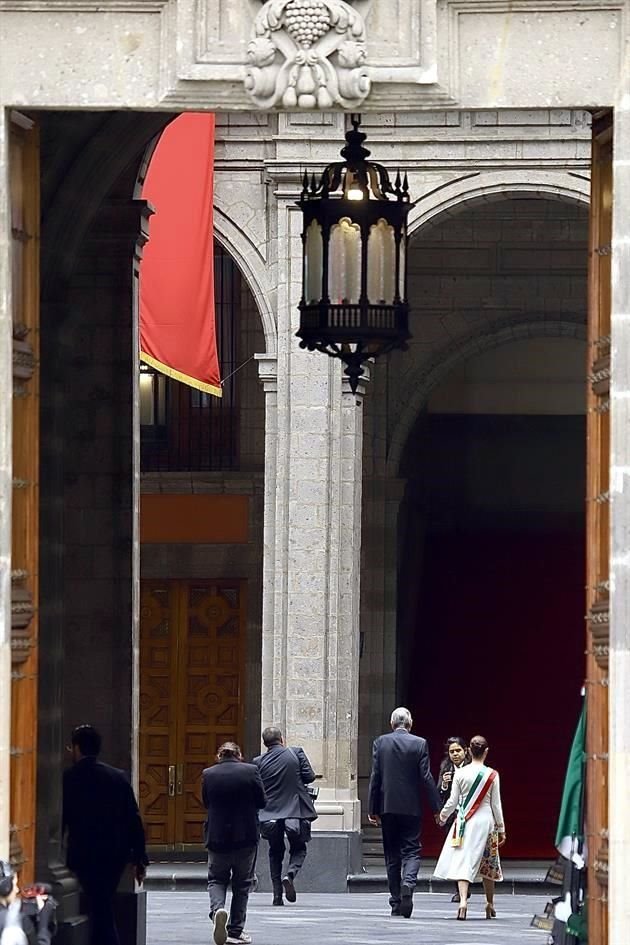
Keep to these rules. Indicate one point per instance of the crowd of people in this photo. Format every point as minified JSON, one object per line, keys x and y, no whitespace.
{"x":274,"y":798}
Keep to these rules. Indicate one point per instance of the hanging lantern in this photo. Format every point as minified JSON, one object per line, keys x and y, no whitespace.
{"x":354,"y":296}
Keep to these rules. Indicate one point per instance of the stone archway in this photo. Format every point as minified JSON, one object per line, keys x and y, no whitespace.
{"x":482,"y":187}
{"x":428,"y":377}
{"x":492,"y":564}
{"x":441,"y":206}
{"x":251,"y":265}
{"x":417,"y":374}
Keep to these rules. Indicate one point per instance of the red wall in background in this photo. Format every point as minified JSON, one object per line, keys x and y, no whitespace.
{"x":499,"y":651}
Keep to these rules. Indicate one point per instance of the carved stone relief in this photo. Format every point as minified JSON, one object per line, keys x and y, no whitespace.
{"x":307,"y":54}
{"x":22,"y":611}
{"x":23,"y":357}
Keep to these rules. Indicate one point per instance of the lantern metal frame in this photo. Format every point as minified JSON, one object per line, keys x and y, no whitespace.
{"x":355,"y":331}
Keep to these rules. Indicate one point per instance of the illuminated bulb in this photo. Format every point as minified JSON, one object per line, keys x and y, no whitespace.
{"x":355,"y":194}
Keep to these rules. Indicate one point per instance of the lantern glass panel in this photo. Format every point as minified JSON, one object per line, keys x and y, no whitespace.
{"x":381,"y":263}
{"x":344,"y":266}
{"x":313,"y":263}
{"x":402,"y":249}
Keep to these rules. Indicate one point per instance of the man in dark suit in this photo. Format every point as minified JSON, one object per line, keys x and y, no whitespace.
{"x":233,"y":794}
{"x":289,"y":811}
{"x":400,"y":771}
{"x":103,"y":828}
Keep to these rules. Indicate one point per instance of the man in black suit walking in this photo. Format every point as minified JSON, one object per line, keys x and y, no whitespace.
{"x":103,"y":829}
{"x":233,"y":794}
{"x":289,"y":811}
{"x":400,"y":771}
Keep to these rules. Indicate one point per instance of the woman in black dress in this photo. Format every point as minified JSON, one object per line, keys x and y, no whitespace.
{"x":456,"y":755}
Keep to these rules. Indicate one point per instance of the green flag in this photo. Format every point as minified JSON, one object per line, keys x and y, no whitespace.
{"x":570,"y":832}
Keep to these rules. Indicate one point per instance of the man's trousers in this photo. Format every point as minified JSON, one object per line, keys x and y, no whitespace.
{"x":401,"y":844}
{"x":235,"y":867}
{"x":298,"y":833}
{"x":99,"y":885}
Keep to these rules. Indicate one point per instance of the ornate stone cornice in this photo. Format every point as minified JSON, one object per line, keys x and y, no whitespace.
{"x":268,"y":371}
{"x":307,"y":54}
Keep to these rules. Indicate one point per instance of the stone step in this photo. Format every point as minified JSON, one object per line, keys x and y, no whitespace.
{"x":520,"y":876}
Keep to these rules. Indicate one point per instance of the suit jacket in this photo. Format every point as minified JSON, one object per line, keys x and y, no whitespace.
{"x":400,"y":773}
{"x":285,"y":772}
{"x":233,"y":794}
{"x":101,"y":818}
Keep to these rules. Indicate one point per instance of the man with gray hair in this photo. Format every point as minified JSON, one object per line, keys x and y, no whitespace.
{"x":400,"y":773}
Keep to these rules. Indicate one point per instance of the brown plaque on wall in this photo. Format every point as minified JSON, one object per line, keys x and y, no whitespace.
{"x":197,"y":519}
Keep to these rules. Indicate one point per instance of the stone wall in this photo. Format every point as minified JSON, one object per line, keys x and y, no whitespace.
{"x":453,"y":158}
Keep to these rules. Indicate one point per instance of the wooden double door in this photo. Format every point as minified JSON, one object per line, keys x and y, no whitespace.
{"x":191,"y":646}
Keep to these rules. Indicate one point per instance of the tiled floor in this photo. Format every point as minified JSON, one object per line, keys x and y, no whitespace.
{"x":361,"y":919}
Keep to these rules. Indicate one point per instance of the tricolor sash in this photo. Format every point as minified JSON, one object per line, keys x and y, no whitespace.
{"x":469,"y":805}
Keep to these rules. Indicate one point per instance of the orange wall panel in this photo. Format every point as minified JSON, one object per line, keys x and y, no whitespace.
{"x":196,"y":519}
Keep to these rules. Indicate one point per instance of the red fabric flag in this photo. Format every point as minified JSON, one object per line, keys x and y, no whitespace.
{"x":177,"y":324}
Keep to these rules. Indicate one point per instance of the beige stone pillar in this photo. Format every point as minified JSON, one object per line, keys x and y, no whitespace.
{"x":267,"y":372}
{"x":312,"y":543}
{"x":619,"y":647}
{"x":6,"y":354}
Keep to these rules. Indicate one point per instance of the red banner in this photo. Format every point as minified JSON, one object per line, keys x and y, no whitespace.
{"x":177,"y":324}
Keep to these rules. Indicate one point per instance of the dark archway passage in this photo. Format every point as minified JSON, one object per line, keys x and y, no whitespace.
{"x":492,"y":587}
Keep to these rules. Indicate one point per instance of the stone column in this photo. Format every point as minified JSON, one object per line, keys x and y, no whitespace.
{"x":619,"y":646}
{"x":311,"y":570}
{"x":88,"y":540}
{"x":6,"y":354}
{"x":268,"y":374}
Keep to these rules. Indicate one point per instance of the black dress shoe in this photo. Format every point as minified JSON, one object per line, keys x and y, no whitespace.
{"x":395,"y":910}
{"x":406,"y":901}
{"x":277,"y":901}
{"x":289,"y":888}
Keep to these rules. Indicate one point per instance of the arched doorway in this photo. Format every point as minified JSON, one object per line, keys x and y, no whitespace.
{"x":202,"y":462}
{"x":491,"y":531}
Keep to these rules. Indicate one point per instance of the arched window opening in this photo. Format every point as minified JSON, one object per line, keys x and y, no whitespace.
{"x":183,"y":429}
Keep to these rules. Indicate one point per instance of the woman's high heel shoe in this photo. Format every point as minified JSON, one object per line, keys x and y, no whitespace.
{"x":491,"y":912}
{"x":461,"y":912}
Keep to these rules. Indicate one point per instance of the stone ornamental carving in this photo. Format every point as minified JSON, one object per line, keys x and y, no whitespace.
{"x":22,"y":611}
{"x":307,"y":54}
{"x":23,"y":357}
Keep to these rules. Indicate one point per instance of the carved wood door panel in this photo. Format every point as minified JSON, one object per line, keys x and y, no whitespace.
{"x":208,"y":690}
{"x":191,"y":640}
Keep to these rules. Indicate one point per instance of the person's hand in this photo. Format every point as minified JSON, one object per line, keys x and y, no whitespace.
{"x":140,"y":873}
{"x":374,"y":819}
{"x":437,"y":819}
{"x":502,"y":839}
